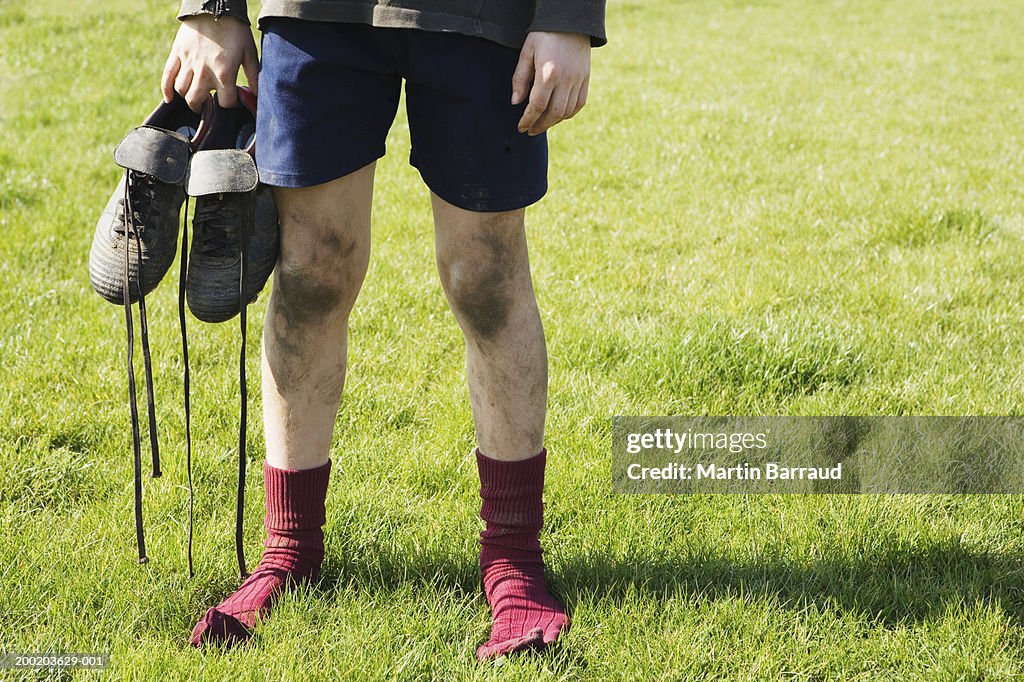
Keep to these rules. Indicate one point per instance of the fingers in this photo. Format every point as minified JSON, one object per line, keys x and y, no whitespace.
{"x":221,"y":78}
{"x":251,"y":66}
{"x":206,"y":56}
{"x":558,"y":108}
{"x":195,"y":85}
{"x":171,"y":69}
{"x":584,"y":91}
{"x":523,"y":74}
{"x":578,"y":99}
{"x":540,"y":96}
{"x":183,"y":82}
{"x":196,"y":95}
{"x":564,"y":102}
{"x":196,"y":90}
{"x":227,"y":92}
{"x":560,"y":66}
{"x":570,"y":103}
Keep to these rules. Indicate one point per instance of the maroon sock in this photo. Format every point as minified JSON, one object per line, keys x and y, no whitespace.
{"x":524,"y":615}
{"x":292,"y":552}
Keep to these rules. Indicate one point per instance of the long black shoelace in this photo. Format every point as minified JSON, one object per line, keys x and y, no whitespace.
{"x":138,"y":183}
{"x":186,"y":382}
{"x":248,"y":217}
{"x":213,"y":239}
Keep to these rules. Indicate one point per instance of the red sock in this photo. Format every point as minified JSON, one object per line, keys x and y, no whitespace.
{"x":524,"y":615}
{"x":293,"y":551}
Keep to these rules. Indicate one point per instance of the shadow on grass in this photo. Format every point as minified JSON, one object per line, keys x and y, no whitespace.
{"x":890,"y":588}
{"x":450,"y":573}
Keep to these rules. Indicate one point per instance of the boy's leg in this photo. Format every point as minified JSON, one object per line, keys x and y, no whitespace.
{"x":325,"y":250}
{"x":325,"y":247}
{"x":485,"y":271}
{"x":482,"y":173}
{"x":328,"y":93}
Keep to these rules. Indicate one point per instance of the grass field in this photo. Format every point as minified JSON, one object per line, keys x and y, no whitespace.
{"x":778,"y":207}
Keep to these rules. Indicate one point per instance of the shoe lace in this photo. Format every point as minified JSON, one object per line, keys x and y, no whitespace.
{"x":139,"y":196}
{"x":220,"y":227}
{"x":141,"y":199}
{"x":215,"y":227}
{"x":214,"y":238}
{"x":186,"y":382}
{"x":247,"y":220}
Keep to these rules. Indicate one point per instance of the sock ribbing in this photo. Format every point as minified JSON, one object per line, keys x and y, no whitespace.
{"x":524,"y":613}
{"x":293,"y":551}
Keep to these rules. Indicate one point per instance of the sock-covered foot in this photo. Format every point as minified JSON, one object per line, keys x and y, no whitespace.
{"x":524,"y":615}
{"x":293,"y":551}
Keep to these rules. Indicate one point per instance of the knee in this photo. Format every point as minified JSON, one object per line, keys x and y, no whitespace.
{"x":484,"y":284}
{"x":319,"y":270}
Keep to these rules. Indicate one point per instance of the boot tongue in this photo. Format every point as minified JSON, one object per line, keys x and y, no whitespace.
{"x":154,"y":151}
{"x":217,"y":171}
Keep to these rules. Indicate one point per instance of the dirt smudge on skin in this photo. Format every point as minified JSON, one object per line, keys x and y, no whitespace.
{"x":480,"y":281}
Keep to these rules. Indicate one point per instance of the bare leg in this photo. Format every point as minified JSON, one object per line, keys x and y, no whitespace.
{"x":325,"y":250}
{"x":325,"y":247}
{"x":485,"y":271}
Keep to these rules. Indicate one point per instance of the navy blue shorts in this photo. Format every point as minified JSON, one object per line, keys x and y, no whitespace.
{"x":328,"y":93}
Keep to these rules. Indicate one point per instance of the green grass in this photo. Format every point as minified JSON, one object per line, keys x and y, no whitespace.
{"x":781,"y":207}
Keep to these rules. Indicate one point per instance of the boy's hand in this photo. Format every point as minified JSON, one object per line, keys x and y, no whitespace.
{"x":206,"y":55}
{"x":558,"y":66}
